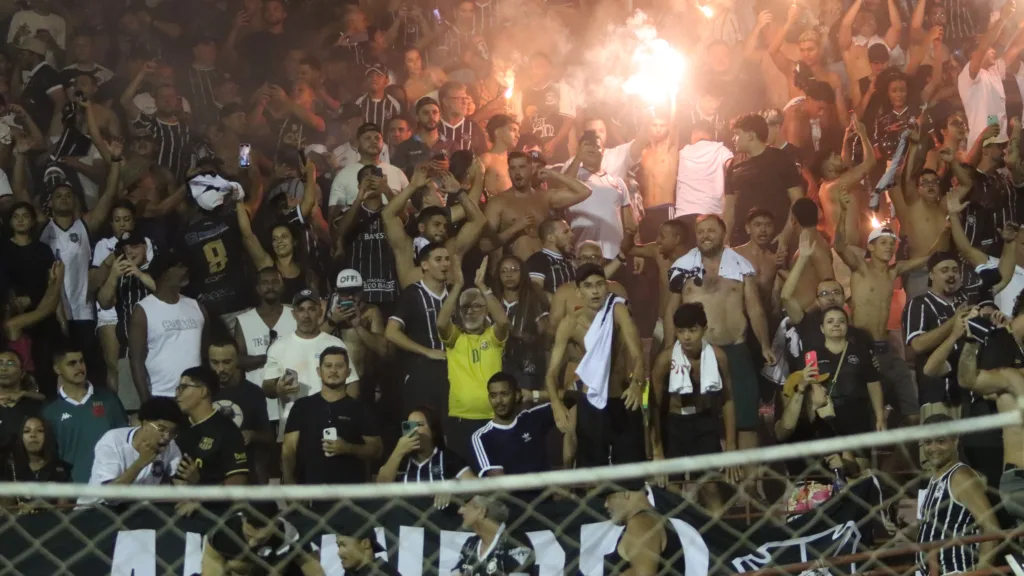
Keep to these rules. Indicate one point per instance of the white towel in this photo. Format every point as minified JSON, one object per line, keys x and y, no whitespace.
{"x":679,"y":378}
{"x":209,"y":189}
{"x":691,"y":265}
{"x":596,"y":365}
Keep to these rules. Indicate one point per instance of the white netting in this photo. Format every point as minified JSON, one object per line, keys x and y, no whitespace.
{"x":558,"y":520}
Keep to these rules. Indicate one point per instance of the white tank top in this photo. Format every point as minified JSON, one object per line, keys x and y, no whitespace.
{"x":76,"y":253}
{"x":257,"y":340}
{"x":175,"y":338}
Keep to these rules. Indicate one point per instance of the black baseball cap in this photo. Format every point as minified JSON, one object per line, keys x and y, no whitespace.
{"x":306,"y":295}
{"x":940,"y":257}
{"x":378,"y":68}
{"x":132,"y":238}
{"x":368,"y":127}
{"x":163,"y":262}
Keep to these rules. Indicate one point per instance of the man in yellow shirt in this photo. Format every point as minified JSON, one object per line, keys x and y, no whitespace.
{"x":474,"y":350}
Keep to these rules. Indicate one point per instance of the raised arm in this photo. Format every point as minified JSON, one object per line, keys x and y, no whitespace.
{"x":989,"y":38}
{"x":955,"y":205}
{"x":132,"y":111}
{"x":570,"y":191}
{"x":751,"y":44}
{"x":444,"y":316}
{"x":784,"y":64}
{"x":259,"y":256}
{"x":846,"y":26}
{"x":495,"y":309}
{"x":892,"y":35}
{"x":858,"y":172}
{"x":1008,"y":257}
{"x":789,"y":304}
{"x":97,"y":217}
{"x":16,"y":324}
{"x":394,"y":229}
{"x":845,"y":251}
{"x":475,"y":222}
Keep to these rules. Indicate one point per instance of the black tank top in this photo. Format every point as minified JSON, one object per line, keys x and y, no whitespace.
{"x":293,"y":286}
{"x":672,"y":560}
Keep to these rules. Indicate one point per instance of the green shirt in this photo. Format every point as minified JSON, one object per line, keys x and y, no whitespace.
{"x":79,"y":426}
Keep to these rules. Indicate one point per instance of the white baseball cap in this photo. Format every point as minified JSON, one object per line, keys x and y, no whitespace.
{"x":883,"y":231}
{"x":349,"y":280}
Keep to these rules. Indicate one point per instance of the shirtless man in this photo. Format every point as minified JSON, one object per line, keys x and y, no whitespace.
{"x":513,"y":215}
{"x":759,"y":252}
{"x":690,"y":423}
{"x":922,"y":215}
{"x":818,"y":266}
{"x":669,"y":247}
{"x":609,"y":424}
{"x":566,"y":300}
{"x":810,"y":56}
{"x":723,"y":281}
{"x":871,"y":291}
{"x":659,"y":165}
{"x":432,"y":221}
{"x":503,"y":130}
{"x":863,"y":22}
{"x":838,"y":175}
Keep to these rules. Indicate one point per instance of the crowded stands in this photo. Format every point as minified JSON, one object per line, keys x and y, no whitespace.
{"x":327,"y":242}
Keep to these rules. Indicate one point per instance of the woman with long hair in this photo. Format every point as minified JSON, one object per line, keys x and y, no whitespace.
{"x":527,"y":310}
{"x":34,"y":459}
{"x":421,"y":455}
{"x":287,"y":255}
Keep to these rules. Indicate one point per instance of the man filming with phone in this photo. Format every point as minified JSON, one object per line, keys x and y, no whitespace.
{"x":329,"y":435}
{"x":345,"y":187}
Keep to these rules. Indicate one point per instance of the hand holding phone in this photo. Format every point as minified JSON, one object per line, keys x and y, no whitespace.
{"x":289,"y":383}
{"x":244,"y":155}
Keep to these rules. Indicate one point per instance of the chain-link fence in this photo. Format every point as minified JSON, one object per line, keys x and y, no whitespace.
{"x":830,"y":506}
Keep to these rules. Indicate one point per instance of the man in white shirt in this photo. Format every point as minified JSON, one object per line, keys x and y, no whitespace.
{"x":700,"y":180}
{"x":82,"y":54}
{"x":292,"y":361}
{"x":40,"y":22}
{"x":143,"y":455}
{"x":981,"y":82}
{"x":345,"y":187}
{"x":607,"y":213}
{"x":619,"y":160}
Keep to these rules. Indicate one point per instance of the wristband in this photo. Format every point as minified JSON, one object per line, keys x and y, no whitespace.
{"x":621,"y":258}
{"x":116,"y":159}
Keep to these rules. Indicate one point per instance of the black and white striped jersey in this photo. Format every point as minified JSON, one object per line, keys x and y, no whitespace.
{"x":551,"y":267}
{"x":465,"y":135}
{"x":417,"y":312}
{"x":943,"y":517}
{"x":173,"y":141}
{"x":379,"y":111}
{"x":442,"y":465}
{"x":992,"y":203}
{"x":369,"y":253}
{"x":199,"y":92}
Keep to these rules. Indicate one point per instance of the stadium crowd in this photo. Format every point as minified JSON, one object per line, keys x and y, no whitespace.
{"x":325,"y":242}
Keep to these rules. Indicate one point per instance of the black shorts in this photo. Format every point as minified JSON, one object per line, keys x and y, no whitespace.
{"x":691,"y":434}
{"x":612,"y":435}
{"x":425,"y":384}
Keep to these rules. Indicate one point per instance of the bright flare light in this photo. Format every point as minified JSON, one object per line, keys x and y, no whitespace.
{"x":875,"y":223}
{"x":658,"y":69}
{"x":707,"y":11}
{"x":510,"y":81}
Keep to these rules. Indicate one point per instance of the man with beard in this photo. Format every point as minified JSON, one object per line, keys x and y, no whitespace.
{"x":919,"y":208}
{"x":513,"y":215}
{"x":647,"y":543}
{"x":618,"y":161}
{"x":345,"y":187}
{"x":426,"y":145}
{"x":243,"y":402}
{"x":491,"y":549}
{"x":669,"y":247}
{"x":609,"y":422}
{"x":928,"y":320}
{"x":503,"y":131}
{"x":358,"y":548}
{"x":761,"y":229}
{"x":607,"y":214}
{"x":143,"y":455}
{"x":723,"y":281}
{"x":838,"y":177}
{"x":992,"y":201}
{"x":514,"y":441}
{"x":871,"y":290}
{"x":551,"y":267}
{"x":474,"y":354}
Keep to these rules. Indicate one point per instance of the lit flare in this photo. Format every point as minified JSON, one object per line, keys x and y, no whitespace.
{"x":658,"y":68}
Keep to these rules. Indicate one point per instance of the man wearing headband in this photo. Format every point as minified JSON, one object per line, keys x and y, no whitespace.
{"x":872,"y":285}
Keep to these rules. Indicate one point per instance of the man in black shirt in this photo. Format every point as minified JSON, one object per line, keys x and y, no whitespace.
{"x":551,"y":267}
{"x":768,"y":179}
{"x":490,"y":550}
{"x":262,"y":52}
{"x":329,"y":436}
{"x":358,"y":548}
{"x":43,"y":93}
{"x":242,"y":402}
{"x":426,"y":143}
{"x":212,"y":447}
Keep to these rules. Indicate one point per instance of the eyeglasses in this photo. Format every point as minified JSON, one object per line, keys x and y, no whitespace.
{"x":930,"y":182}
{"x":164,"y":431}
{"x":473,"y":307}
{"x":182,"y":386}
{"x":826,"y":293}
